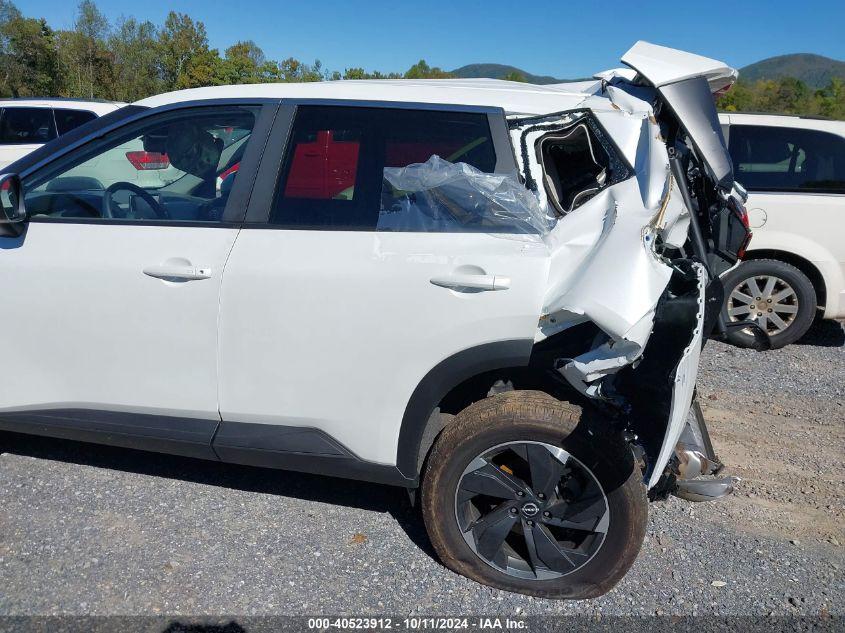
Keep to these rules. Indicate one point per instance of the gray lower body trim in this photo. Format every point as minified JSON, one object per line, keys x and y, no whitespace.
{"x":302,"y":449}
{"x":264,"y":445}
{"x":190,"y":437}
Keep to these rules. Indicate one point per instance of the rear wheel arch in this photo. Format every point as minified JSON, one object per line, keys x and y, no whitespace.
{"x":443,"y":378}
{"x":461,"y":380}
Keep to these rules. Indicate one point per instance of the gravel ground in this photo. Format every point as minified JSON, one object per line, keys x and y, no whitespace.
{"x":93,"y":530}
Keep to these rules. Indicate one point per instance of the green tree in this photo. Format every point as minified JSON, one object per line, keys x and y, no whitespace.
{"x":245,"y":63}
{"x":84,"y":57}
{"x":185,"y":61}
{"x":831,"y":99}
{"x":8,"y":12}
{"x":355,"y":73}
{"x":28,"y":60}
{"x":135,"y":59}
{"x":515,"y":76}
{"x":421,"y":70}
{"x":293,"y":70}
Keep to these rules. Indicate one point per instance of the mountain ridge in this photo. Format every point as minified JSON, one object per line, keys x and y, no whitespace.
{"x":814,"y":70}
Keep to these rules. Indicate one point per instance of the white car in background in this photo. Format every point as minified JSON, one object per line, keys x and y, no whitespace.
{"x":794,"y":268}
{"x":26,"y":124}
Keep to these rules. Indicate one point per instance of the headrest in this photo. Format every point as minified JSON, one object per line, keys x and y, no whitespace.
{"x":192,"y":149}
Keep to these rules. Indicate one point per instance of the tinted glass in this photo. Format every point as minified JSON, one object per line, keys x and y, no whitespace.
{"x":787,"y":159}
{"x":26,"y":125}
{"x":66,"y":120}
{"x":333,"y":172}
{"x":178,"y":166}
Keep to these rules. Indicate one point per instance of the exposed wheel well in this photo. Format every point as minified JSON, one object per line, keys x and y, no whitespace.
{"x":805,"y":266}
{"x":469,"y":375}
{"x":485,"y":384}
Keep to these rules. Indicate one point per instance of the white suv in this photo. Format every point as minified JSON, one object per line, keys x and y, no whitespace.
{"x":494,"y":291}
{"x":794,"y":171}
{"x":26,"y":124}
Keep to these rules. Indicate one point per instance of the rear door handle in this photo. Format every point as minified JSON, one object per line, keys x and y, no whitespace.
{"x":178,"y":272}
{"x":464,"y":281}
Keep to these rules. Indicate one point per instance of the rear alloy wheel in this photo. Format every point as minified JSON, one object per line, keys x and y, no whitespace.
{"x":518,"y":494}
{"x":777,"y":296}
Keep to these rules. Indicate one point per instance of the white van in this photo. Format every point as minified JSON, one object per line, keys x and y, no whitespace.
{"x":794,"y":269}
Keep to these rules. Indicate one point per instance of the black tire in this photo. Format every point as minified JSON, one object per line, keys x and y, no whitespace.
{"x":804,"y":299}
{"x":534,"y":417}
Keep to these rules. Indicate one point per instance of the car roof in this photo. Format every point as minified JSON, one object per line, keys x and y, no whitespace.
{"x":783,"y":120}
{"x":513,"y":97}
{"x":97,"y":107}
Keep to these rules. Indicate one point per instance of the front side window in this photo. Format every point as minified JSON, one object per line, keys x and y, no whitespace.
{"x":178,"y":166}
{"x":66,"y":120}
{"x":21,"y":126}
{"x":787,"y":159}
{"x":340,"y":162}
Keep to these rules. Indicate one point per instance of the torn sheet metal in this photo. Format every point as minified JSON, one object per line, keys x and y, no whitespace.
{"x":684,"y":387}
{"x":604,"y":267}
{"x":441,"y":196}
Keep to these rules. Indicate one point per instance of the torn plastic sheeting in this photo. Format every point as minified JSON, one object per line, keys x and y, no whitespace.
{"x":440,"y":196}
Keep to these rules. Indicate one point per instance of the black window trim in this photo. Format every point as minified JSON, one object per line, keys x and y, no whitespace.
{"x":267,"y":179}
{"x":239,"y":198}
{"x":783,"y":190}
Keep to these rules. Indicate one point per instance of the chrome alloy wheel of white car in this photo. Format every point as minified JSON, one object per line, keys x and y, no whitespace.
{"x":767,"y":299}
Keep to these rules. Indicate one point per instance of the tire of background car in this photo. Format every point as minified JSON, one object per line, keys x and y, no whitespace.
{"x":792,"y":300}
{"x":511,"y":447}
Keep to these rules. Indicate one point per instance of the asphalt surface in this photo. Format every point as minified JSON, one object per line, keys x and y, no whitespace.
{"x":93,"y":530}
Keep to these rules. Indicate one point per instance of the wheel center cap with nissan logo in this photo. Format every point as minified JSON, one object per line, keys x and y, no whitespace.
{"x":530,"y":509}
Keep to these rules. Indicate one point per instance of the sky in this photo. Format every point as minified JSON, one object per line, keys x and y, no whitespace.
{"x":562,"y":39}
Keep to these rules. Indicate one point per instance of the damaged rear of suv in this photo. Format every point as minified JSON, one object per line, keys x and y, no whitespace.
{"x":492,"y":292}
{"x":637,"y":205}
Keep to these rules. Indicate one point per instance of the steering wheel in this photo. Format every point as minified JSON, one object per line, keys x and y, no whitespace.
{"x":109,"y":206}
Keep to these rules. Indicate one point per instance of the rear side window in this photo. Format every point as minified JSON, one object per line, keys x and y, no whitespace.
{"x":333,"y":175}
{"x":26,"y":125}
{"x":787,"y":159}
{"x":66,"y":120}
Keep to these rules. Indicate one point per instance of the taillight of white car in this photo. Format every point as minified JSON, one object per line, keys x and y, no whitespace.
{"x":143,"y":161}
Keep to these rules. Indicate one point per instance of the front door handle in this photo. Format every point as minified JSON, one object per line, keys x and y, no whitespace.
{"x":469,"y":282}
{"x":178,"y":272}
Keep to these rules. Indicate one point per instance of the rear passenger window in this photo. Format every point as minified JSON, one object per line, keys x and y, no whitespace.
{"x":787,"y":159}
{"x":26,"y":125}
{"x":334,"y":172}
{"x":66,"y":120}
